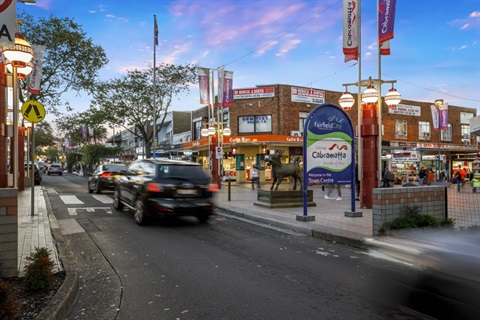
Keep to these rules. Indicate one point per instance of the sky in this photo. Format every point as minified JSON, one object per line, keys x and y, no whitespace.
{"x":435,"y":53}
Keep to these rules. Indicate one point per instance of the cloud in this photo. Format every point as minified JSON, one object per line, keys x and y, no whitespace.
{"x":472,"y":22}
{"x":44,"y":4}
{"x":287,"y":46}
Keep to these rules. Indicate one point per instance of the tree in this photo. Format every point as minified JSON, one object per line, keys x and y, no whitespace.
{"x":71,"y":126}
{"x":71,"y":60}
{"x":127,"y":101}
{"x":44,"y":135}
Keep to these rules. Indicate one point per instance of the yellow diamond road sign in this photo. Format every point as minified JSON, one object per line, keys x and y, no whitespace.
{"x":33,"y":111}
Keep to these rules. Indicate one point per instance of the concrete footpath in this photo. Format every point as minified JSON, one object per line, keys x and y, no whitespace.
{"x":236,"y":201}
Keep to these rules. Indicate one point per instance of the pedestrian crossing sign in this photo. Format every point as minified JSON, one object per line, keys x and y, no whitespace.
{"x":33,"y":111}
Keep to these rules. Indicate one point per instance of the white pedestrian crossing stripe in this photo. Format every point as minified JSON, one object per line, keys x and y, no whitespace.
{"x":74,"y":211}
{"x":103,"y":198}
{"x":71,"y":200}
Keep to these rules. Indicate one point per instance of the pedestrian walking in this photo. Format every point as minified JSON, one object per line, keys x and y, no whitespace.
{"x":421,"y":176}
{"x":460,"y":176}
{"x":330,"y":190}
{"x":254,"y":177}
{"x":386,"y":177}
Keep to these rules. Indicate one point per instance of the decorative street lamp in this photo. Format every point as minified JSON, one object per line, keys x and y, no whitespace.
{"x":369,"y":130}
{"x":19,"y":55}
{"x":438,"y":106}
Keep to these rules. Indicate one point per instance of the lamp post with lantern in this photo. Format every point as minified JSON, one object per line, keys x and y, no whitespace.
{"x":215,"y":133}
{"x":369,"y":132}
{"x":20,"y":54}
{"x":438,"y":106}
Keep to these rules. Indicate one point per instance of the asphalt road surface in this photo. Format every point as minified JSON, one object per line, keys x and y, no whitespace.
{"x":225,"y":269}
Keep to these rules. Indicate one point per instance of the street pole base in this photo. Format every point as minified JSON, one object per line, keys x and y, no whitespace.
{"x":353,"y":214}
{"x":305,"y":218}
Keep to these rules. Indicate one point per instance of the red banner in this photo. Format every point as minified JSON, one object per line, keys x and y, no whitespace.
{"x":203,"y":83}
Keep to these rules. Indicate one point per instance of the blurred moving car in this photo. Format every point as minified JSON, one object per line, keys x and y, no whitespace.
{"x":164,"y":188}
{"x":444,"y":281}
{"x":37,"y":176}
{"x":54,"y":169}
{"x":105,"y":176}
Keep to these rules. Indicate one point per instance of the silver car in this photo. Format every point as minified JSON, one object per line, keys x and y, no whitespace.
{"x":54,"y":169}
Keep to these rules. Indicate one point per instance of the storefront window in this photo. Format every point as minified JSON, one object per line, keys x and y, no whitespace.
{"x":424,"y":130}
{"x":447,"y":134}
{"x":255,"y":124}
{"x":401,"y":129}
{"x":465,"y":117}
{"x":466,"y":134}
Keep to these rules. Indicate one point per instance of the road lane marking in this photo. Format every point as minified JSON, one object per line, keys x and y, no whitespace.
{"x":73,"y":211}
{"x":71,"y":200}
{"x":103,"y":198}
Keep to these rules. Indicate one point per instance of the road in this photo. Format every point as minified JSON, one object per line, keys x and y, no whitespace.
{"x":225,"y":269}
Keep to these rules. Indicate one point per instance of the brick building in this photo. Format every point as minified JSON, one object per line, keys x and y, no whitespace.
{"x":271,"y":117}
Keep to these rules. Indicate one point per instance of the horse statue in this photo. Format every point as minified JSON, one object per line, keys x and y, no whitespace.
{"x":280,"y":171}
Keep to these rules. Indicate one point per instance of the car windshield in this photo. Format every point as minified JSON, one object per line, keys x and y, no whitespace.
{"x":115,"y":168}
{"x":182,"y":172}
{"x":54,"y":166}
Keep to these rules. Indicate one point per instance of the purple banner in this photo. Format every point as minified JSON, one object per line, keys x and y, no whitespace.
{"x":228,"y":89}
{"x":84,"y":132}
{"x":443,"y":112}
{"x":386,"y":19}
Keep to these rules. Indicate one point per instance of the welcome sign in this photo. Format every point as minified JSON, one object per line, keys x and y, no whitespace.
{"x":328,"y":147}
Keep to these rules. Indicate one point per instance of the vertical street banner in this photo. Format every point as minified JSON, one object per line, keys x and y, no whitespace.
{"x":385,"y":48}
{"x":443,"y":114}
{"x":221,"y":78}
{"x":227,"y":89}
{"x":386,"y":19}
{"x":84,"y":132}
{"x":203,"y":83}
{"x":35,"y":77}
{"x":90,"y":131}
{"x":351,"y":29}
{"x":435,"y":117}
{"x":155,"y":30}
{"x":8,"y":11}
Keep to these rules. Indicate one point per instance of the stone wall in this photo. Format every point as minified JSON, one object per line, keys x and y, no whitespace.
{"x":8,"y":232}
{"x":387,"y":203}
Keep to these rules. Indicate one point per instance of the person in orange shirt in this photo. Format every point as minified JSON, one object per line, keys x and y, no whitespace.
{"x":460,"y":176}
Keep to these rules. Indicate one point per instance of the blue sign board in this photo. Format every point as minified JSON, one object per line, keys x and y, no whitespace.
{"x":328,"y":148}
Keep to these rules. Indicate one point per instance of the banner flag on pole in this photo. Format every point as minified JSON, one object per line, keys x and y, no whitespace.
{"x":35,"y":77}
{"x":84,"y":132}
{"x":155,"y":30}
{"x":443,"y":113}
{"x":386,"y":19}
{"x":228,"y":89}
{"x":221,"y":78}
{"x":435,"y":117}
{"x":385,"y":48}
{"x":350,"y":29}
{"x":203,"y":83}
{"x":90,"y":131}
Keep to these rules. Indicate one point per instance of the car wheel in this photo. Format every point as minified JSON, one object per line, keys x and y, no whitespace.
{"x":89,"y":189}
{"x":98,"y":189}
{"x":48,"y":173}
{"x":139,"y":214}
{"x":203,"y":218}
{"x":117,"y":204}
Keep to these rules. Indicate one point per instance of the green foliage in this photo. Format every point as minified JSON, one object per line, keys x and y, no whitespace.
{"x":71,"y":60}
{"x":8,"y":306}
{"x":71,"y":159}
{"x":39,"y":271}
{"x":413,"y":218}
{"x":92,"y":154}
{"x":127,"y":101}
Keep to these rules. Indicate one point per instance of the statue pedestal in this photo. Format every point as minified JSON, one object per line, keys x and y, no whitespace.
{"x":283,"y":198}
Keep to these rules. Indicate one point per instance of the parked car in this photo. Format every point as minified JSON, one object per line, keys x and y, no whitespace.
{"x":54,"y":169}
{"x":164,"y":188}
{"x":37,"y":176}
{"x":105,"y":176}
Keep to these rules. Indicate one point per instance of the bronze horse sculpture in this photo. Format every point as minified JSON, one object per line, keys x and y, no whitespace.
{"x":281,"y":170}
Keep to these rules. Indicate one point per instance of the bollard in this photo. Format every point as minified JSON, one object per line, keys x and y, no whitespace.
{"x":229,"y":188}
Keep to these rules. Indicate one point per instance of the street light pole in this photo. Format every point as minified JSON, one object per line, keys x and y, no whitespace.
{"x":438,"y":103}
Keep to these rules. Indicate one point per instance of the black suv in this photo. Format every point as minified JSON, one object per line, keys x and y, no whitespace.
{"x":164,"y":188}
